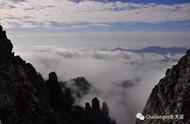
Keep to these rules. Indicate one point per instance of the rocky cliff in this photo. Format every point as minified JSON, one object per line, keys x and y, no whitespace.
{"x":26,"y":98}
{"x":170,"y":97}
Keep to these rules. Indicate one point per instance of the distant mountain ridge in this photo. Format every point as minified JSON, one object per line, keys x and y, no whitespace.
{"x":154,"y":49}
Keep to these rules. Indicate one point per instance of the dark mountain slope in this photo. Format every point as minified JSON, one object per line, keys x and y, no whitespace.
{"x":171,"y":96}
{"x":25,"y":98}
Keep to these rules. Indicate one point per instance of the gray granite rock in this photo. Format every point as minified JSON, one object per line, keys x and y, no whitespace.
{"x":25,"y":98}
{"x":171,"y":96}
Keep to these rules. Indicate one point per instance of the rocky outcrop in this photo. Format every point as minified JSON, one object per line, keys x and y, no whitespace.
{"x":79,"y":87}
{"x":25,"y":98}
{"x":171,"y":96}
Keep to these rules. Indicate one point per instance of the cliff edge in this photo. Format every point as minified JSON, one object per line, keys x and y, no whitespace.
{"x":26,"y":98}
{"x":170,"y":97}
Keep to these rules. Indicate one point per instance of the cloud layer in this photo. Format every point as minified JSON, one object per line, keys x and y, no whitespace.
{"x":60,"y":13}
{"x":123,"y":79}
{"x":103,"y":40}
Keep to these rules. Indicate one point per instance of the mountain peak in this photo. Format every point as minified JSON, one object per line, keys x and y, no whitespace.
{"x":171,"y":95}
{"x":185,"y":60}
{"x":1,"y":28}
{"x":26,"y":98}
{"x":5,"y":45}
{"x":188,"y":52}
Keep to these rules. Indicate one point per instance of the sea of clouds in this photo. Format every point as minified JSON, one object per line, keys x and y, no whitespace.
{"x":121,"y":78}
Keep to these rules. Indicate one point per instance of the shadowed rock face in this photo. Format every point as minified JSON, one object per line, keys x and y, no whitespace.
{"x":79,"y":87}
{"x":171,"y":96}
{"x":25,"y":98}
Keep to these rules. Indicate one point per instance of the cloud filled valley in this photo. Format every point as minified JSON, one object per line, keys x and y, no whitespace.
{"x":123,"y":79}
{"x":115,"y":50}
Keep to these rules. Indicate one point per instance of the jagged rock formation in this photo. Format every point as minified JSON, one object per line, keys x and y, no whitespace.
{"x":25,"y":98}
{"x":79,"y":87}
{"x":171,"y":96}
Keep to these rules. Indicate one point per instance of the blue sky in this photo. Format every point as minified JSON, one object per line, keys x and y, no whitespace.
{"x":149,"y":1}
{"x":155,"y":1}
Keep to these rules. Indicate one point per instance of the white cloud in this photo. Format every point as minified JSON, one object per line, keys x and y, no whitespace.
{"x":107,"y":71}
{"x":42,"y":12}
{"x":102,"y":40}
